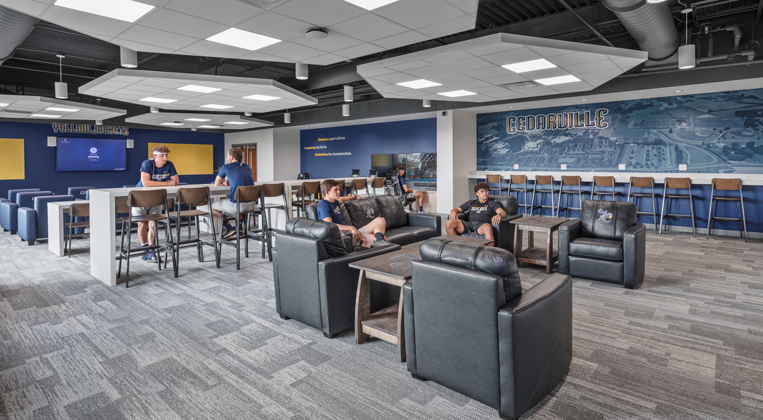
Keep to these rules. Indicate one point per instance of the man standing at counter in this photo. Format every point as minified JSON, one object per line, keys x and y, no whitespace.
{"x":236,"y":174}
{"x":155,"y":172}
{"x":406,"y":189}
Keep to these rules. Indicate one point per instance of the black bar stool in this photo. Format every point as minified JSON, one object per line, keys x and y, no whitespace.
{"x":677,"y":184}
{"x":605,"y":182}
{"x":519,"y":180}
{"x":190,"y":198}
{"x":360,"y":184}
{"x":725,"y":184}
{"x":495,"y":179}
{"x":541,"y":181}
{"x":643,"y":182}
{"x":570,"y":181}
{"x":270,"y":191}
{"x":311,"y":189}
{"x":248,"y":194}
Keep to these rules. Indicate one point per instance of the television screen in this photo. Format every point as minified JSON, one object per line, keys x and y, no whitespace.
{"x":91,"y":154}
{"x":420,"y":167}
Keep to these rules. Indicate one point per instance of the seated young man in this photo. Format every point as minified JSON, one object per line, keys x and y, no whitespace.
{"x":406,"y":189}
{"x":235,"y":174}
{"x":370,"y":235}
{"x":482,"y":212}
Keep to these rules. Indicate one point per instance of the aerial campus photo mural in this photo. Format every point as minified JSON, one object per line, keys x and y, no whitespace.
{"x":718,"y":132}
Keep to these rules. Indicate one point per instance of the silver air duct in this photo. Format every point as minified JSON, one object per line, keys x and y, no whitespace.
{"x":650,"y":24}
{"x":14,"y":28}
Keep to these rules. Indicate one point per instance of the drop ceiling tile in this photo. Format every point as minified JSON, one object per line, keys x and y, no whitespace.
{"x":213,"y":49}
{"x":395,"y":78}
{"x":470,"y":85}
{"x":494,"y":71}
{"x":276,"y":26}
{"x":378,"y":72}
{"x":408,"y":94}
{"x":505,"y":94}
{"x":577,"y":69}
{"x":469,"y":65}
{"x":577,"y":58}
{"x":409,"y":65}
{"x":393,"y":88}
{"x":545,"y":73}
{"x":183,"y":24}
{"x":290,"y":51}
{"x":548,"y":52}
{"x":368,"y":27}
{"x":31,"y":8}
{"x":508,"y":78}
{"x":399,"y":40}
{"x":334,"y":42}
{"x":487,"y":90}
{"x":150,"y":36}
{"x":419,"y":13}
{"x":600,"y":74}
{"x":446,"y":28}
{"x":448,"y":57}
{"x":429,"y":72}
{"x":359,"y":50}
{"x":468,"y":6}
{"x":447,"y":80}
{"x":228,"y":12}
{"x":494,"y":48}
{"x":85,"y":22}
{"x":514,"y":56}
{"x":326,"y":59}
{"x":321,"y":13}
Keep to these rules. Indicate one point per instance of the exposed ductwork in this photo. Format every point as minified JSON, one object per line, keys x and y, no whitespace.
{"x":14,"y":28}
{"x":650,"y":24}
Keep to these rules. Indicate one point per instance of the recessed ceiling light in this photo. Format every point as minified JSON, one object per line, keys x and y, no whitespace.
{"x":418,"y":84}
{"x":1,"y":105}
{"x":200,"y":89}
{"x":124,"y":10}
{"x":584,"y":100}
{"x":45,"y":116}
{"x":174,"y":124}
{"x":558,"y":80}
{"x":511,"y":107}
{"x":236,"y":123}
{"x":62,"y":109}
{"x":243,"y":39}
{"x":457,"y":93}
{"x":370,"y":4}
{"x":158,"y":100}
{"x":259,"y":97}
{"x":214,"y":106}
{"x":210,"y":126}
{"x":678,"y":91}
{"x":197,"y":119}
{"x":531,"y":65}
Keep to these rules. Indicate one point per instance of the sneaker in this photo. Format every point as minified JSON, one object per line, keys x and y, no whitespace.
{"x":151,"y":258}
{"x":228,"y":234}
{"x":380,"y":243}
{"x":421,"y":211}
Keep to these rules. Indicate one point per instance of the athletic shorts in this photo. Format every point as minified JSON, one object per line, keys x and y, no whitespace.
{"x":228,"y":207}
{"x":471,"y":227}
{"x":142,"y":211}
{"x":355,"y":242}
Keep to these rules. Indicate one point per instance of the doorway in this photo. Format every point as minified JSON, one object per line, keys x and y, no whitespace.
{"x":250,"y":157}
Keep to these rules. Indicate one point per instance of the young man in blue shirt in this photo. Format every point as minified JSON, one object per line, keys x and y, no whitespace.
{"x":406,"y":189}
{"x":155,"y":172}
{"x":482,"y":214}
{"x":235,"y":174}
{"x":370,"y":235}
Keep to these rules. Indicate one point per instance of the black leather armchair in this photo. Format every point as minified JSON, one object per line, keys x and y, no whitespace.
{"x":313,"y":282}
{"x":503,"y":232}
{"x":469,"y":327}
{"x":605,"y":244}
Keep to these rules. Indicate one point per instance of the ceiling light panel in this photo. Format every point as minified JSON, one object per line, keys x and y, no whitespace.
{"x":187,"y":120}
{"x":158,"y":100}
{"x":22,"y":106}
{"x":497,"y":67}
{"x":200,"y":89}
{"x":249,"y":30}
{"x":198,"y":119}
{"x":237,"y":94}
{"x":419,"y":84}
{"x":216,"y":106}
{"x":61,"y":109}
{"x":44,"y":116}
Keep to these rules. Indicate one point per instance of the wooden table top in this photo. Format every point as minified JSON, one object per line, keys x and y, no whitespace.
{"x":397,"y":264}
{"x":549,"y":222}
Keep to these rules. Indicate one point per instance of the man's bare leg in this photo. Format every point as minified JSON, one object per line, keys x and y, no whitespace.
{"x":486,"y":230}
{"x":454,"y":227}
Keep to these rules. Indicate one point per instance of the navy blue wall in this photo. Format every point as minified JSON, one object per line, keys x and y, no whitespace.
{"x":40,"y":160}
{"x":415,"y":136}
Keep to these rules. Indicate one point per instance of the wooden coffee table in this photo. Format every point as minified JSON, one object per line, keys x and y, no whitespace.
{"x":532,"y":254}
{"x":392,"y":268}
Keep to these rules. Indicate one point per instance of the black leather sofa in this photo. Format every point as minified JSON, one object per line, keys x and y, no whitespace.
{"x":605,"y":244}
{"x":469,"y":327}
{"x":503,"y":232}
{"x":313,"y":282}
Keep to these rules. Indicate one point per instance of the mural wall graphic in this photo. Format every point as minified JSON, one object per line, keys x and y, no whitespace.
{"x":718,"y":132}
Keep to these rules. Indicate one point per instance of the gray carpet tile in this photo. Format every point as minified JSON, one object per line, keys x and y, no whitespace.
{"x":687,"y":345}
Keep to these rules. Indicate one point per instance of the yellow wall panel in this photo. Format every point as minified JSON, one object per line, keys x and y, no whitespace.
{"x":11,"y":159}
{"x":189,"y":159}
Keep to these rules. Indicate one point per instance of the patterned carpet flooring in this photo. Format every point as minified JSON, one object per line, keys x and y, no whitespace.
{"x":210,"y":345}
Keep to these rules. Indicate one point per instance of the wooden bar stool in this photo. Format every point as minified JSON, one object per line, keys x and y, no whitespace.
{"x":252,"y":193}
{"x":378,"y":183}
{"x":342,"y":190}
{"x":311,"y":189}
{"x":360,"y":184}
{"x":495,"y":179}
{"x":604,"y":182}
{"x":519,"y":180}
{"x":542,"y":181}
{"x":570,"y":181}
{"x":76,"y":228}
{"x":677,"y":184}
{"x":725,"y":184}
{"x":190,"y":198}
{"x":270,"y":191}
{"x":643,"y":182}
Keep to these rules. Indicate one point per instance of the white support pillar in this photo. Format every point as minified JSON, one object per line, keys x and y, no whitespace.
{"x":456,"y":156}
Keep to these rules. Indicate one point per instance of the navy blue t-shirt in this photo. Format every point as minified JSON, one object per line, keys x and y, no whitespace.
{"x":238,"y":175}
{"x":481,"y":212}
{"x":329,"y":209}
{"x":401,"y":181}
{"x":157,"y":174}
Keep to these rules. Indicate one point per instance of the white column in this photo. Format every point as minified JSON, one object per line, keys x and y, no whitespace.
{"x":456,"y":156}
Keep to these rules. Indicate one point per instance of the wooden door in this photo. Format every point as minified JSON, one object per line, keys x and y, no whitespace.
{"x":253,"y":162}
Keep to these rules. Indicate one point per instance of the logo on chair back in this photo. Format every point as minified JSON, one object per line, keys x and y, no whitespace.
{"x":369,"y":212}
{"x":605,"y":216}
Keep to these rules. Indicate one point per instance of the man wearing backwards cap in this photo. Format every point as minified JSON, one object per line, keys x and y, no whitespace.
{"x":156,"y":172}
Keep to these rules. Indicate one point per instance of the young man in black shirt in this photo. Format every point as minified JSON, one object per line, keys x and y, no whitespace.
{"x":482,"y":212}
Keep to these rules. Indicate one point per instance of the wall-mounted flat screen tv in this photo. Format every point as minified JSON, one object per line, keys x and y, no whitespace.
{"x":421,"y":167}
{"x":76,"y":154}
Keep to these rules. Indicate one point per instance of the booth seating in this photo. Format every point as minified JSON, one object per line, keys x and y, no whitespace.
{"x":605,"y":244}
{"x":402,"y":228}
{"x":503,"y":232}
{"x":469,"y":327}
{"x":9,"y":211}
{"x":33,"y":221}
{"x":313,"y":281}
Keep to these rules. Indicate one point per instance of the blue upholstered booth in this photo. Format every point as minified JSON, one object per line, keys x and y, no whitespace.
{"x":9,"y":209}
{"x":12,"y":193}
{"x":33,"y":222}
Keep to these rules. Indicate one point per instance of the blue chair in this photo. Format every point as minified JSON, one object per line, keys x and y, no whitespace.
{"x":33,"y":222}
{"x":12,"y":193}
{"x":9,"y":209}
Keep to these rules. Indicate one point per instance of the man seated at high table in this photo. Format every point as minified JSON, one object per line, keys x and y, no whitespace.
{"x":406,"y":189}
{"x":236,"y":174}
{"x":482,"y":212}
{"x":370,"y":235}
{"x":154,"y":172}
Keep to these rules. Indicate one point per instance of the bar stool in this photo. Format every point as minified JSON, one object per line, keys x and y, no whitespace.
{"x":312,"y":189}
{"x":378,"y":183}
{"x":725,"y":184}
{"x":248,"y":194}
{"x":144,"y":198}
{"x":542,"y":180}
{"x":604,"y":181}
{"x":74,"y":228}
{"x":269,"y":191}
{"x":519,"y":180}
{"x":677,"y":184}
{"x":192,"y":197}
{"x":495,"y":179}
{"x":643,"y":182}
{"x":570,"y":181}
{"x":360,"y":184}
{"x":342,"y":190}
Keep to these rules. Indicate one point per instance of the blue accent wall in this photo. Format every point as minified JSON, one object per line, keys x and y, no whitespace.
{"x":40,"y":160}
{"x":356,"y":144}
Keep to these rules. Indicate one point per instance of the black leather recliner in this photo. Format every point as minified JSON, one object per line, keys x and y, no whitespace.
{"x":503,"y":232}
{"x":605,"y":244}
{"x":313,"y":282}
{"x":469,"y":327}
